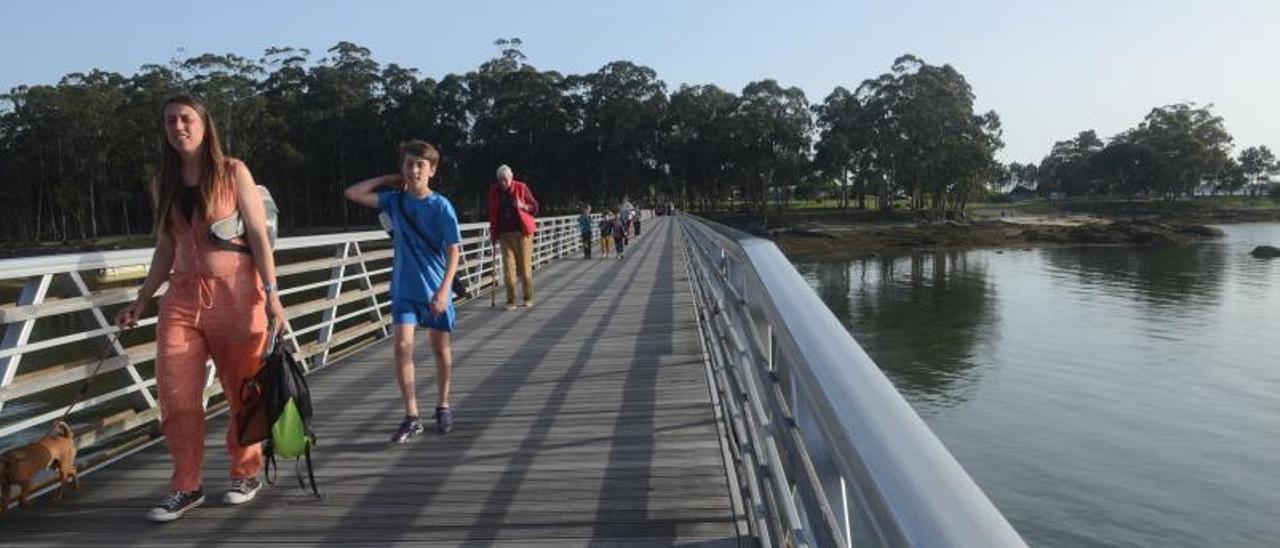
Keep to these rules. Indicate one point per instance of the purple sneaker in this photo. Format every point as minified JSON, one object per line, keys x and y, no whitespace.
{"x":409,"y":427}
{"x":444,"y":419}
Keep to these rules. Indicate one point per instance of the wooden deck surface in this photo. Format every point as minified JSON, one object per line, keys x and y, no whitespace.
{"x":585,"y":420}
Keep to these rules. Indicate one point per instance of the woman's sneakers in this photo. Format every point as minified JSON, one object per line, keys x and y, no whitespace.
{"x":175,"y":505}
{"x":178,"y":503}
{"x":242,"y":490}
{"x":409,"y":427}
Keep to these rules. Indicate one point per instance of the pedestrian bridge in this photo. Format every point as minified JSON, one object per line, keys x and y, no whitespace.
{"x":694,"y":393}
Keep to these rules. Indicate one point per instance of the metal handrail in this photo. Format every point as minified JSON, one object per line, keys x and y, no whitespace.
{"x":836,"y":454}
{"x":334,"y":305}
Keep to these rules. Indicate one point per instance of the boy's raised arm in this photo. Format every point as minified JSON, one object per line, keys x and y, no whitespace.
{"x":365,"y":192}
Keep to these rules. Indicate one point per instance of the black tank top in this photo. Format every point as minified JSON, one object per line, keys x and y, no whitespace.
{"x":189,"y":196}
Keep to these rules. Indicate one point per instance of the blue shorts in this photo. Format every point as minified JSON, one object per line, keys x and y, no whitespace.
{"x":406,"y":312}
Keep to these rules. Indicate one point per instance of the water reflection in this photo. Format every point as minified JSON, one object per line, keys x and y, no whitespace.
{"x":1189,"y":275}
{"x":920,"y":317}
{"x":1128,"y":396}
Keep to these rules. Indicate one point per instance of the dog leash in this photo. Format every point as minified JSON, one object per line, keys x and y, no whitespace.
{"x":84,"y":389}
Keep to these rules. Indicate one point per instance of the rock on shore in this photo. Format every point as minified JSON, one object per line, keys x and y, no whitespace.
{"x":1139,"y":232}
{"x":1265,"y":252}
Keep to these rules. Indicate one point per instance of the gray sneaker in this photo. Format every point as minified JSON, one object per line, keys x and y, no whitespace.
{"x":242,"y":490}
{"x":175,"y":505}
{"x":409,"y":427}
{"x":444,"y":419}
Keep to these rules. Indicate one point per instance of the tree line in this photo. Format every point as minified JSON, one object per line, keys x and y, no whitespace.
{"x":1177,"y":150}
{"x":78,"y":154}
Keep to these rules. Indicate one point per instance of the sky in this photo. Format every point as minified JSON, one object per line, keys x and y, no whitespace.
{"x":1049,"y":68}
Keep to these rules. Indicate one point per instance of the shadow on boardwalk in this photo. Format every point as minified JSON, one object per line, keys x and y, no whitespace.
{"x":583,"y":420}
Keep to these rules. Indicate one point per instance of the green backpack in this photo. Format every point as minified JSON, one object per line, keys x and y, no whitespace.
{"x":288,"y":412}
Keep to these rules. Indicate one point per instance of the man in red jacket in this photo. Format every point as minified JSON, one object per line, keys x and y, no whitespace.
{"x":511,"y":222}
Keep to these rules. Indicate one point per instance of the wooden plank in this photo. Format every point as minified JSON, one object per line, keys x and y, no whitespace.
{"x":328,"y":262}
{"x":52,"y":306}
{"x":584,"y":420}
{"x":324,"y":303}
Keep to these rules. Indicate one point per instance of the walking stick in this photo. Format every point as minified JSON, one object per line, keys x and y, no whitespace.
{"x":493,"y":295}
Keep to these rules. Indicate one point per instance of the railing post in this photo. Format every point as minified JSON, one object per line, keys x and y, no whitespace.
{"x":116,"y":348}
{"x":335,"y":290}
{"x":559,"y":241}
{"x":366,"y":284}
{"x":33,"y":292}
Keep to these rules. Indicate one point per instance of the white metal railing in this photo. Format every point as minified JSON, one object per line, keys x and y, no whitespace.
{"x":825,"y":451}
{"x":334,"y":287}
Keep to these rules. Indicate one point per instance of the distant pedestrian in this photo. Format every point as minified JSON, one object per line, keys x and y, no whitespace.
{"x":620,"y":235}
{"x":512,"y":208}
{"x":626,"y":211}
{"x":585,"y":230}
{"x":606,"y":234}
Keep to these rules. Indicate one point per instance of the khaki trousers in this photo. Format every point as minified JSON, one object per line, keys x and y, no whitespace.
{"x":517,"y":252}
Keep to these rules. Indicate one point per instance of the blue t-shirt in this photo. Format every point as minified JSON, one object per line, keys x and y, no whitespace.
{"x":584,"y":223}
{"x":417,"y":269}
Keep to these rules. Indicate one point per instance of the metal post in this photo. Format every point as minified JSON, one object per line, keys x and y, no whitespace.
{"x":33,"y":292}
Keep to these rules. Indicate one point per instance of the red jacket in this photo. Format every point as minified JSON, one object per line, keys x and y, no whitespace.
{"x":519,"y":191}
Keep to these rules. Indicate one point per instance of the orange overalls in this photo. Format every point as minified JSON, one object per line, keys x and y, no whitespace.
{"x":214,"y":307}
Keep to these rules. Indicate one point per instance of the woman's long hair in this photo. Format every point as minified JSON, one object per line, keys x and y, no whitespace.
{"x":213,"y":176}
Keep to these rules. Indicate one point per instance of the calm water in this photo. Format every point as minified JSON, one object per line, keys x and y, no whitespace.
{"x":1104,"y":396}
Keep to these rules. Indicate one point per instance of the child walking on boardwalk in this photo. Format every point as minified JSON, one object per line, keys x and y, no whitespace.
{"x":427,"y":246}
{"x":606,"y":234}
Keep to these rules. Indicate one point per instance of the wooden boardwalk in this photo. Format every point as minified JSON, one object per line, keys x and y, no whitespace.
{"x":586,"y":420}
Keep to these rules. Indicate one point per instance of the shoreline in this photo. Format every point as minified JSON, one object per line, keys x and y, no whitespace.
{"x":836,"y":233}
{"x":854,"y":233}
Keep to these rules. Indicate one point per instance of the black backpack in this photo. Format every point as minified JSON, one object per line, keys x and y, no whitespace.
{"x":288,"y":413}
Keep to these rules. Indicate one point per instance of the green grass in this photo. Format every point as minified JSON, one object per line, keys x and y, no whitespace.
{"x":830,"y":204}
{"x":1238,"y":202}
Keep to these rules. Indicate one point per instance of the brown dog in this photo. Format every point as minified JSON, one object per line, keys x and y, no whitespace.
{"x":56,"y":451}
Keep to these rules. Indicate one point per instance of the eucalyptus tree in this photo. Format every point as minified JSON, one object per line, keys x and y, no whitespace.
{"x":773,"y":133}
{"x":521,"y":117}
{"x":842,"y":142}
{"x":82,"y":151}
{"x":228,"y":84}
{"x":281,"y":133}
{"x":1067,"y":168}
{"x":1256,"y":162}
{"x":922,"y":137}
{"x":623,"y":112}
{"x":1191,"y":140}
{"x":1027,"y":174}
{"x":1129,"y":169}
{"x":525,"y":125}
{"x":699,"y":143}
{"x":342,"y":140}
{"x":1227,"y":175}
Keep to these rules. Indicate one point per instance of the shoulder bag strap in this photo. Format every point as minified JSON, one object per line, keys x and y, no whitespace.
{"x":460,"y":284}
{"x":228,"y":245}
{"x":414,"y":226}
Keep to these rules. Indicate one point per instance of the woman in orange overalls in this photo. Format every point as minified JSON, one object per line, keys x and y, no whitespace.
{"x":217,"y":303}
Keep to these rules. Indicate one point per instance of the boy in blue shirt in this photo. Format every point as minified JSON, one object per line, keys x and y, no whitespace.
{"x":427,"y":246}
